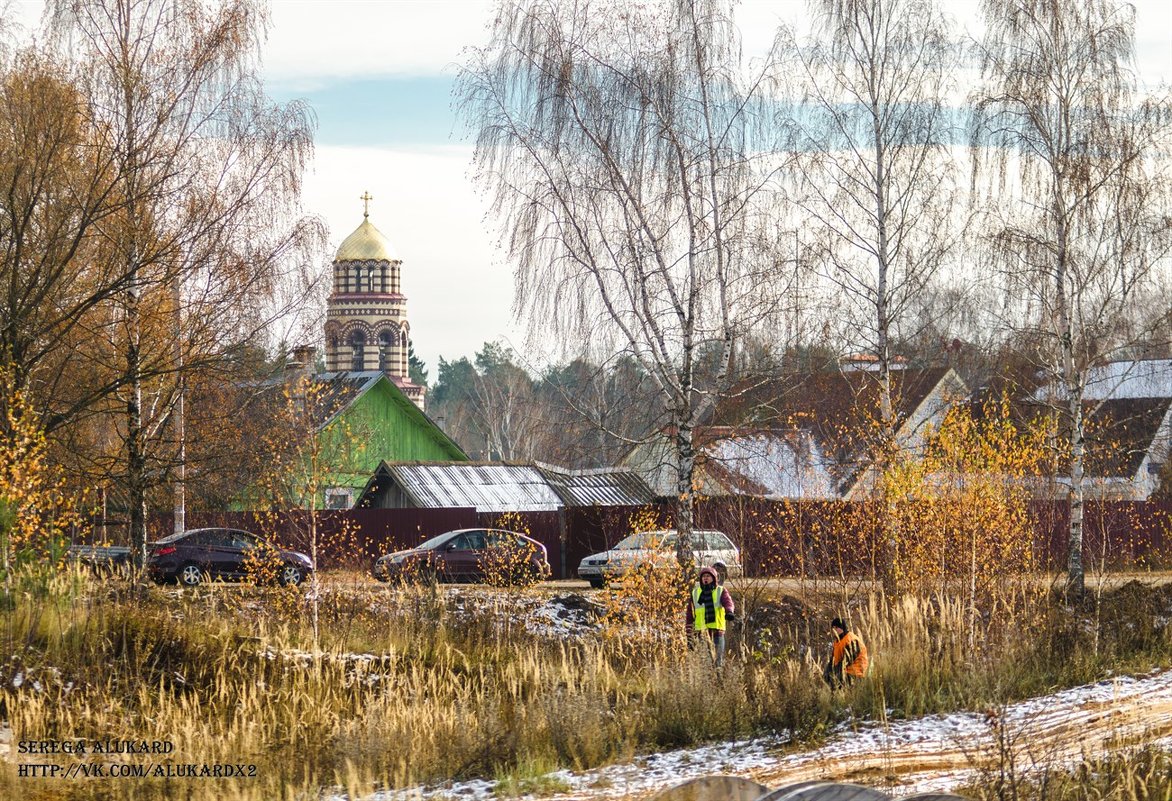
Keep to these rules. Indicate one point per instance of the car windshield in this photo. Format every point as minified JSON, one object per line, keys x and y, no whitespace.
{"x":716,"y":541}
{"x":645,"y":540}
{"x":436,"y":541}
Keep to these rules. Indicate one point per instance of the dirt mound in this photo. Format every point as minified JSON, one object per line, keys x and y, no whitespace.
{"x":773,"y":627}
{"x":783,"y":613}
{"x":1136,"y":597}
{"x":575,"y":605}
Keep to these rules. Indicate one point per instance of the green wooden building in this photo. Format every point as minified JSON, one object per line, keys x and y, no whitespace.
{"x":336,"y":430}
{"x":367,"y":420}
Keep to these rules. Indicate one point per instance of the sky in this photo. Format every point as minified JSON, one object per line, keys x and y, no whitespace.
{"x":379,"y":75}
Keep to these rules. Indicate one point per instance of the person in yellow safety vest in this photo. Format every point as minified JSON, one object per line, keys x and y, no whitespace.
{"x":711,"y":606}
{"x":849,"y":659}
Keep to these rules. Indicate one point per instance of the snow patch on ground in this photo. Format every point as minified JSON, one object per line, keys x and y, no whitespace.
{"x":642,"y":775}
{"x":966,"y":732}
{"x":559,"y":617}
{"x":971,"y":733}
{"x":31,"y":678}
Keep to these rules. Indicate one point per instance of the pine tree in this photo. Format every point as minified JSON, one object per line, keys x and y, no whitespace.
{"x":416,"y":367}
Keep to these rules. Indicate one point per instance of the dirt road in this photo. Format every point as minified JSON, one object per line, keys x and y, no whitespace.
{"x":940,"y":751}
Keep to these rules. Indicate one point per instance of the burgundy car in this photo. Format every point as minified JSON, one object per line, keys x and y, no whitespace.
{"x":469,"y":554}
{"x":224,"y":553}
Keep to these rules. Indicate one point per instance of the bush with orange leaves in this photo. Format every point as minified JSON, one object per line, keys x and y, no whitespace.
{"x":38,"y":510}
{"x":507,"y":561}
{"x":644,"y":609}
{"x":961,"y":511}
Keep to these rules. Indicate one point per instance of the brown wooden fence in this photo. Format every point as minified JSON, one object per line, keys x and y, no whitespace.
{"x":776,"y":538}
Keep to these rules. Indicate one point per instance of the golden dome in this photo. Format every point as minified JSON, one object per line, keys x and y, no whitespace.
{"x":367,"y":243}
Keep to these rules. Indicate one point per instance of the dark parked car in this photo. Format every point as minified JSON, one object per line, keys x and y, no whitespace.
{"x":104,"y":559}
{"x":226,"y":553}
{"x":469,"y":554}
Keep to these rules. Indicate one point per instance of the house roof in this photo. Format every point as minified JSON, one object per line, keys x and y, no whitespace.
{"x":343,"y":389}
{"x":1124,"y":405}
{"x":505,"y":487}
{"x":783,"y":463}
{"x":1120,"y":432}
{"x":339,"y":391}
{"x":483,"y":486}
{"x":832,"y":397}
{"x":837,"y":410}
{"x":602,"y":487}
{"x":1148,"y":378}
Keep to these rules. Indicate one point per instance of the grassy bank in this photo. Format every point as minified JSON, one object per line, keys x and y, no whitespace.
{"x":408,"y":688}
{"x":1143,"y":775}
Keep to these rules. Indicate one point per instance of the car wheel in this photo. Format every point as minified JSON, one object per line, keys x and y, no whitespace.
{"x":597,"y":584}
{"x":291,"y":575}
{"x":190,"y":575}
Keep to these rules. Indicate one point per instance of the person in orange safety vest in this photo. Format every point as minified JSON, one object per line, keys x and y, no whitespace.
{"x":849,"y":660}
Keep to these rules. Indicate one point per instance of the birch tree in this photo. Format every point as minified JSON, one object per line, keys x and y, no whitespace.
{"x":874,"y":177}
{"x":1077,"y":158}
{"x":208,"y":173}
{"x":619,"y":145}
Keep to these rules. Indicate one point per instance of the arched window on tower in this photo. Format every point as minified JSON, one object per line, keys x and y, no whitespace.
{"x":357,"y":350}
{"x":384,"y":350}
{"x":404,"y":345}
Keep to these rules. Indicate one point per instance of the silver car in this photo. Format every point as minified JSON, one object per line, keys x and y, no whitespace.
{"x":708,"y":547}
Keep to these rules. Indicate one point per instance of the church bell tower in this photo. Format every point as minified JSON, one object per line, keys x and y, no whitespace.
{"x":366,"y":314}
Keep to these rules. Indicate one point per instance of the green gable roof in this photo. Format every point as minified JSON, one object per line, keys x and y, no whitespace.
{"x":399,"y":429}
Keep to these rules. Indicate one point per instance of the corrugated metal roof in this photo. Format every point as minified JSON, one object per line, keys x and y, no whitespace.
{"x":488,"y":488}
{"x":603,"y":487}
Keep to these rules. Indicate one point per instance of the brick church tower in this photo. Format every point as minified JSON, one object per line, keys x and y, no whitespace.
{"x":366,"y":315}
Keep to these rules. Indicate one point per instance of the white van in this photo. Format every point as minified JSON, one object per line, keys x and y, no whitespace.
{"x":708,"y":547}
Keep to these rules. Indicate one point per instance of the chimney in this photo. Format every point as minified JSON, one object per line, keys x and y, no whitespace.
{"x":300,"y":362}
{"x":868,"y":362}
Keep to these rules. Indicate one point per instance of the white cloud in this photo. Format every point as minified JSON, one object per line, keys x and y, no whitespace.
{"x":312,"y":42}
{"x":758,"y":21}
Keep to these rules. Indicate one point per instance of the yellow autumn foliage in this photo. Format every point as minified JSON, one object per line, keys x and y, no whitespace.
{"x":40,"y":510}
{"x":643,"y":610}
{"x":960,"y":510}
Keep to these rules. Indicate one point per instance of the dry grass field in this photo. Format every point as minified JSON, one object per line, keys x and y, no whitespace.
{"x":408,"y":685}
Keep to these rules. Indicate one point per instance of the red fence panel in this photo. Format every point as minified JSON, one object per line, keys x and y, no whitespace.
{"x":775,"y":537}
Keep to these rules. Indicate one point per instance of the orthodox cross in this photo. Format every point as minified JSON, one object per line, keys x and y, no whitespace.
{"x":366,"y":198}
